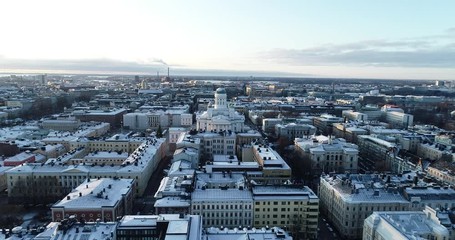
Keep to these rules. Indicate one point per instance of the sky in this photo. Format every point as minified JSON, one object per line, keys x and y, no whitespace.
{"x":345,"y":39}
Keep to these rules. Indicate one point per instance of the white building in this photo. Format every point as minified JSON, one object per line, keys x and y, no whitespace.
{"x":405,"y":225}
{"x":347,"y":200}
{"x":220,"y":117}
{"x":354,"y":116}
{"x":223,"y":207}
{"x":323,"y":154}
{"x":154,"y":119}
{"x":400,"y":119}
{"x":268,"y":124}
{"x":293,"y":130}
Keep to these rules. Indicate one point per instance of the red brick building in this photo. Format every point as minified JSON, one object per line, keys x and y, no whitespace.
{"x":18,"y":159}
{"x":104,"y":199}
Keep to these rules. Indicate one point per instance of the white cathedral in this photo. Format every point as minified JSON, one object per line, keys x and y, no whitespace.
{"x":220,"y":117}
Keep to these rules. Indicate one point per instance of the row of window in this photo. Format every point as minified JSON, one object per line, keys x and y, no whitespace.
{"x":216,"y":206}
{"x":225,"y":214}
{"x":225,"y":222}
{"x":282,"y":203}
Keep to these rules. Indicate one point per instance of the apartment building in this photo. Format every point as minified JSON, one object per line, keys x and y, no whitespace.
{"x":223,"y":207}
{"x":324,"y":123}
{"x":292,"y":130}
{"x":401,"y":225}
{"x":295,"y":207}
{"x":324,"y":154}
{"x":49,"y":182}
{"x":104,"y":199}
{"x":347,"y":200}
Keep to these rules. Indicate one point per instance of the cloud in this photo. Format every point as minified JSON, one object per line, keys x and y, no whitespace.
{"x":109,"y":66}
{"x":431,"y":51}
{"x":83,"y":65}
{"x":451,"y":31}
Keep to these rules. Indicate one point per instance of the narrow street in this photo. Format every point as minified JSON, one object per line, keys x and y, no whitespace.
{"x":144,"y":205}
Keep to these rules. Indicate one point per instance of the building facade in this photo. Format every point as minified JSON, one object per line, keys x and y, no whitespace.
{"x":220,"y":117}
{"x":104,"y":199}
{"x":404,"y":225}
{"x":287,"y":206}
{"x":323,"y":154}
{"x":223,"y":207}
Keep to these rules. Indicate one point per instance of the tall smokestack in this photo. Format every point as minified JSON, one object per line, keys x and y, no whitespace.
{"x":167,"y":71}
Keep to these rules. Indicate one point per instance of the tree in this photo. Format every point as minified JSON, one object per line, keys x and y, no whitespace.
{"x":159,"y":132}
{"x":282,"y":143}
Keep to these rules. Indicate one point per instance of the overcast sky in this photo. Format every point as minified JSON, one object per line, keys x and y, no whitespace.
{"x":362,"y":39}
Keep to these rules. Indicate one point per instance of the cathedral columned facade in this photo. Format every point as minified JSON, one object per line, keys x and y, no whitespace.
{"x":220,"y":117}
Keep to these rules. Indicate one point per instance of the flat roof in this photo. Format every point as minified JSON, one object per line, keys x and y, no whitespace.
{"x":138,"y":221}
{"x":221,"y":195}
{"x":361,"y":192}
{"x":281,"y":192}
{"x":96,"y":193}
{"x":88,"y":231}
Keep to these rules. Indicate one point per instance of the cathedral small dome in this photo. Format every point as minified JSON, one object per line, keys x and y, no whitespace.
{"x":221,"y":91}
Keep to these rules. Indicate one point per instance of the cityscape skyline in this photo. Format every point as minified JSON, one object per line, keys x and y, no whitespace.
{"x":393,"y":40}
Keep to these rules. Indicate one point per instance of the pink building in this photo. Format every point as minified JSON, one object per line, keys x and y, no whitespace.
{"x":18,"y":159}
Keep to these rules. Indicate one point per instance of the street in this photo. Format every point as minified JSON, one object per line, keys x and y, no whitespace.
{"x":144,"y":205}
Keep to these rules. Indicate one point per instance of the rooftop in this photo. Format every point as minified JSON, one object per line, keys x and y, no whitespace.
{"x":221,"y":195}
{"x":409,"y":224}
{"x":88,"y":231}
{"x":96,"y":193}
{"x":283,"y":191}
{"x":364,"y":188}
{"x":274,"y":233}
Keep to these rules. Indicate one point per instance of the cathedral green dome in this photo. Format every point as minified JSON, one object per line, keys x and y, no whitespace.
{"x":220,"y":91}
